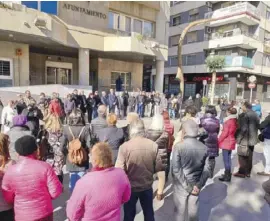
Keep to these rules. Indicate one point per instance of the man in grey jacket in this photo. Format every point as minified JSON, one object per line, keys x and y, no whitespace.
{"x":190,"y":172}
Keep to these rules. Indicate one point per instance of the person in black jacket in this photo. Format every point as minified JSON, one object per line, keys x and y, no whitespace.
{"x":78,"y":129}
{"x":125,"y":97}
{"x":97,"y":102}
{"x":76,"y":98}
{"x":247,"y":138}
{"x":90,"y":102}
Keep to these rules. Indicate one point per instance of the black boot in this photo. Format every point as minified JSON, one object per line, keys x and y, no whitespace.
{"x":226,"y":177}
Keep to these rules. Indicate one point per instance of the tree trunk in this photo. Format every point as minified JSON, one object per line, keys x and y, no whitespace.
{"x":214,"y":77}
{"x":180,"y":74}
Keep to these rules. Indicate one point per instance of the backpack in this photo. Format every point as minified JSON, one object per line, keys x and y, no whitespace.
{"x":76,"y":153}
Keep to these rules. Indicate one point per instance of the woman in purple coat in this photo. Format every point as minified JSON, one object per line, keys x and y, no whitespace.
{"x":211,"y":125}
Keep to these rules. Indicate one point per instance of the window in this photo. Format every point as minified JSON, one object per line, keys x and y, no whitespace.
{"x":176,"y":2}
{"x":223,"y":53}
{"x":242,"y":53}
{"x":128,"y":25}
{"x":190,"y":90}
{"x":194,"y":17}
{"x":125,"y":77}
{"x":176,"y":20}
{"x":268,"y":13}
{"x":49,"y":7}
{"x":148,"y":29}
{"x":192,"y":37}
{"x":228,"y":34}
{"x":174,"y":40}
{"x":30,"y":4}
{"x":173,"y":61}
{"x":191,"y":59}
{"x":137,"y":26}
{"x":5,"y":69}
{"x":227,"y":4}
{"x":114,"y":20}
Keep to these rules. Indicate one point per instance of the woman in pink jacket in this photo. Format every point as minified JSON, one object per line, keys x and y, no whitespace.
{"x":98,"y":195}
{"x":30,"y":185}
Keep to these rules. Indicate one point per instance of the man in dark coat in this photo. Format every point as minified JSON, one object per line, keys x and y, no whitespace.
{"x":96,"y":103}
{"x":112,"y":101}
{"x":104,"y":98}
{"x":131,"y":103}
{"x":247,"y":138}
{"x":118,"y":84}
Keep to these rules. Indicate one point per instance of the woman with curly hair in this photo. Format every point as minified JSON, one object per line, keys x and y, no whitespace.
{"x":6,"y":210}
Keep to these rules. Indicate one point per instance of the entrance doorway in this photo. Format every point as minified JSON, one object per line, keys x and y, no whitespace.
{"x":58,"y":73}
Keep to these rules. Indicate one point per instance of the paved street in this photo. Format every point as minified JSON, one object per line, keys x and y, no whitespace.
{"x":240,"y":200}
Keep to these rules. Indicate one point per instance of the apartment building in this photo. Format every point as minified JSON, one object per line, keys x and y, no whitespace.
{"x":241,"y":35}
{"x":83,"y":43}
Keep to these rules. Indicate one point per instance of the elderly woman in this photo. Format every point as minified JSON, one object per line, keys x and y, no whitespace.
{"x":6,"y":210}
{"x":94,"y":203}
{"x":30,"y":185}
{"x":112,"y":135}
{"x":157,"y":134}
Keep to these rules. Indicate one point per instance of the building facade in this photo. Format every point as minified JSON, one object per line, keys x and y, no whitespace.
{"x":82,"y":43}
{"x":241,"y":34}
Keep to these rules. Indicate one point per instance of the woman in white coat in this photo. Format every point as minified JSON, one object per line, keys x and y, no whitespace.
{"x":7,"y":116}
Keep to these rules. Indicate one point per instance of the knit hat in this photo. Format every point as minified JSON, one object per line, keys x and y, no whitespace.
{"x":19,"y":120}
{"x":26,"y":145}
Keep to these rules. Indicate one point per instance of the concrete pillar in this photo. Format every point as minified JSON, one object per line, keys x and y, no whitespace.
{"x":84,"y":66}
{"x":159,"y":79}
{"x":233,"y":88}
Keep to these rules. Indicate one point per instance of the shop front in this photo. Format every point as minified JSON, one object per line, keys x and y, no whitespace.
{"x":232,"y":86}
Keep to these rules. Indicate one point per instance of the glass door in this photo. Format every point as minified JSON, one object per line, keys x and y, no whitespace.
{"x":58,"y":75}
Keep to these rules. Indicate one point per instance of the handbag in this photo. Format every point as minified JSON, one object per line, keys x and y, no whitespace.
{"x":261,"y":137}
{"x":243,"y":150}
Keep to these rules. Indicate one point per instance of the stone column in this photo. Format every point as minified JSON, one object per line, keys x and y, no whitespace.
{"x":233,"y":88}
{"x":84,"y":66}
{"x":159,"y":79}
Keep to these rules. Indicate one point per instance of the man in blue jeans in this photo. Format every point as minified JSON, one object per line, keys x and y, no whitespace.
{"x":140,"y":104}
{"x":140,"y":159}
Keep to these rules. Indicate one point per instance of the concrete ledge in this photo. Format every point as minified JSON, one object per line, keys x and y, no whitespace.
{"x":63,"y":90}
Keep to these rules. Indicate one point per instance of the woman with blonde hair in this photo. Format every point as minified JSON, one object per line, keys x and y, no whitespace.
{"x":95,"y":202}
{"x":6,"y":210}
{"x":112,"y":135}
{"x":157,"y":133}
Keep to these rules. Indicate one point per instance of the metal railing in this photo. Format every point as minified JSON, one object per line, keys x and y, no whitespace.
{"x":216,"y":35}
{"x":234,"y":9}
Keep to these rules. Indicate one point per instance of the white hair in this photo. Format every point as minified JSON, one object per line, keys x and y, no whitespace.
{"x":136,"y":129}
{"x":157,"y":122}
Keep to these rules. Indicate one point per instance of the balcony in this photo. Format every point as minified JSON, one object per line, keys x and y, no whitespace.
{"x":233,"y":38}
{"x":244,"y":12}
{"x":238,"y":61}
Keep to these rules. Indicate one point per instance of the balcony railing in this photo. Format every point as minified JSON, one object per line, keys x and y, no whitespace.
{"x":235,"y":32}
{"x":236,"y":9}
{"x":238,"y":61}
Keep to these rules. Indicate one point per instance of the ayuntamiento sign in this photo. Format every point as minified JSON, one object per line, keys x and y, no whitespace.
{"x":84,"y":10}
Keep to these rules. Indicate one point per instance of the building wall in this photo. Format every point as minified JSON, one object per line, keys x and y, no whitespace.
{"x":134,"y":9}
{"x":76,"y":13}
{"x":106,"y":66}
{"x":37,"y":67}
{"x":20,"y":64}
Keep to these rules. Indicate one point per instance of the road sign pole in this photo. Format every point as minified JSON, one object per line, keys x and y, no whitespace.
{"x":251,"y":90}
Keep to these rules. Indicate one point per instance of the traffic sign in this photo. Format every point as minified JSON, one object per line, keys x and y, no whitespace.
{"x":251,"y":85}
{"x":204,"y":82}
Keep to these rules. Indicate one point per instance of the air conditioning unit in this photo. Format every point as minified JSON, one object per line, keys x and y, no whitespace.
{"x":208,"y":30}
{"x":209,"y":4}
{"x":40,"y":22}
{"x":154,"y":45}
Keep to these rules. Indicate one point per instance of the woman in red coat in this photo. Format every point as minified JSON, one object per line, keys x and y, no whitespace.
{"x":227,"y":142}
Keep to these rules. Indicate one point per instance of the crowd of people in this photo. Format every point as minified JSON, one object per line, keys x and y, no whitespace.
{"x":39,"y":137}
